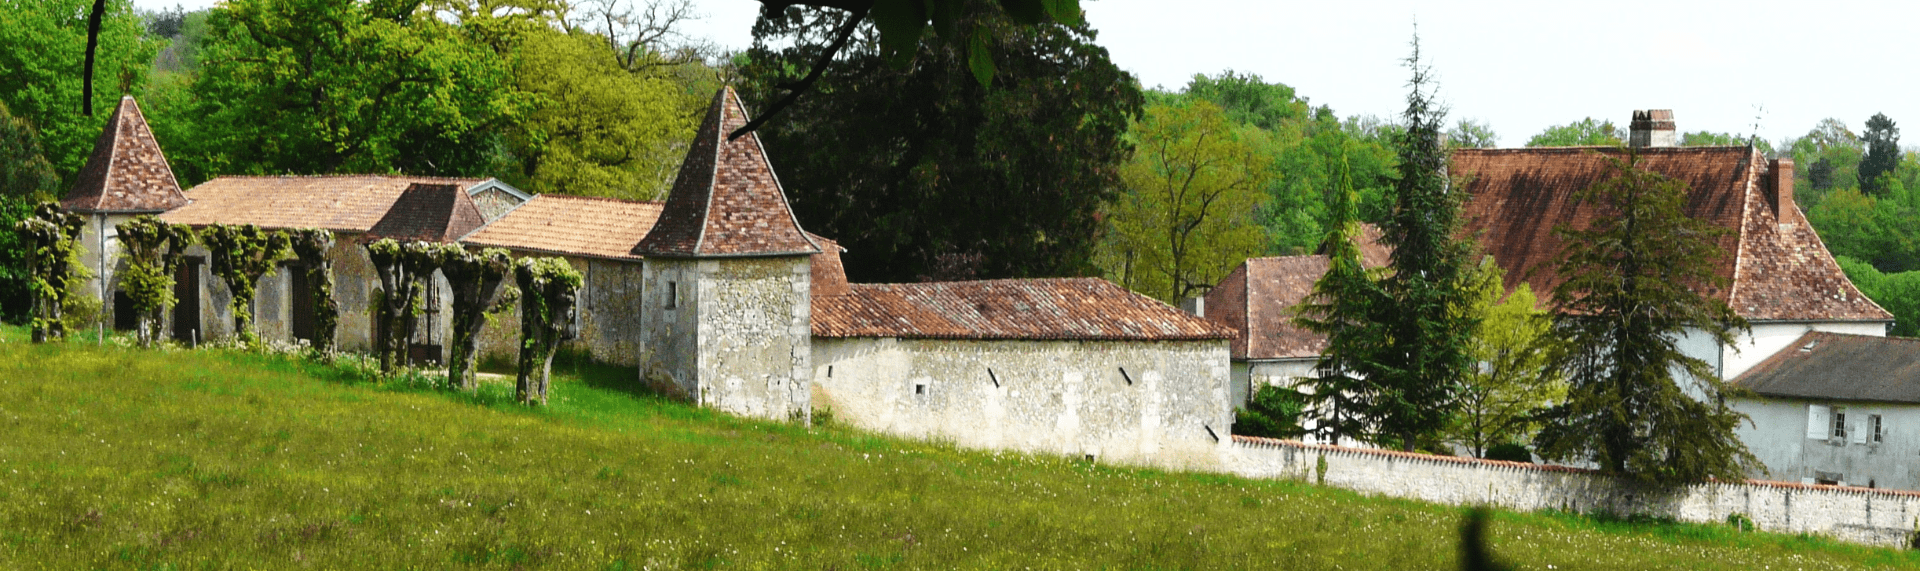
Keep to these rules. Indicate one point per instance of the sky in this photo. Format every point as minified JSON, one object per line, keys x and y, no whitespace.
{"x":1519,"y":67}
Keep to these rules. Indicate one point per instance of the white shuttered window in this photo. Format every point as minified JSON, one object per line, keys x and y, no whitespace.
{"x":1818,"y":421}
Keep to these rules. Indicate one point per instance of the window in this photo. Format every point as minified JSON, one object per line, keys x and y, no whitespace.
{"x":1840,"y":424}
{"x":1819,"y":421}
{"x":673,"y":295}
{"x":1873,"y":426}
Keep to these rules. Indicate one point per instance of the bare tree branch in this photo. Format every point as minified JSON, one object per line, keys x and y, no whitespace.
{"x":819,"y":67}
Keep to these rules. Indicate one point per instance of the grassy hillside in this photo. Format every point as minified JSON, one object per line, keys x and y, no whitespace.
{"x":120,"y":458}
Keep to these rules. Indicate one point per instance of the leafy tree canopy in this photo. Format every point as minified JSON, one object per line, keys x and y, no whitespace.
{"x":1471,"y":134}
{"x":1883,"y":152}
{"x":1502,"y":398}
{"x":923,"y":172}
{"x":1583,"y":133}
{"x":42,"y":46}
{"x":1898,"y":293}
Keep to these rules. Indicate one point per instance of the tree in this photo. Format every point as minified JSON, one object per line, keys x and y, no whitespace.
{"x":1637,"y":404}
{"x":25,"y":173}
{"x":476,"y":280}
{"x":547,"y":290}
{"x":43,"y":51}
{"x":1273,"y":412}
{"x":1249,"y":100}
{"x":1471,"y":134}
{"x":1347,"y":307}
{"x":924,"y":173}
{"x":1582,"y":133}
{"x":310,"y":246}
{"x":153,"y":250}
{"x":1502,"y":397}
{"x":1425,"y":356}
{"x":319,"y":87}
{"x":1883,"y":152}
{"x":51,"y":238}
{"x":240,"y":255}
{"x":1898,"y":293}
{"x":1184,"y":217}
{"x":1712,"y":139}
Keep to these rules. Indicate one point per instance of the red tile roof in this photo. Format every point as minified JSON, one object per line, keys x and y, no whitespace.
{"x":429,"y":212}
{"x":1779,"y":269}
{"x":829,"y":276}
{"x":1087,"y":309}
{"x":571,"y":226}
{"x":127,"y":172}
{"x":342,"y":203}
{"x":726,"y":201}
{"x":1837,"y":366}
{"x":1259,"y":297}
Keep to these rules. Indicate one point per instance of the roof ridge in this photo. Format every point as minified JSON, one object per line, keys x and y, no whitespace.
{"x":1747,"y":192}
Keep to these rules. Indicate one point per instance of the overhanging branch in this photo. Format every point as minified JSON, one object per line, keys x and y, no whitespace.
{"x":819,"y":67}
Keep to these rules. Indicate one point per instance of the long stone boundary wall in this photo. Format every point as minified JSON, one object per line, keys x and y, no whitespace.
{"x":1860,"y":515}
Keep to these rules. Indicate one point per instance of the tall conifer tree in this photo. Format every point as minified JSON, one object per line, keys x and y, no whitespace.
{"x":1883,"y":153}
{"x":1636,"y":403}
{"x":1346,"y":307}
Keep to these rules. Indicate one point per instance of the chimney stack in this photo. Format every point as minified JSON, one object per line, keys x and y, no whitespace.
{"x":1195,"y":305}
{"x":1651,"y":128}
{"x":1780,"y":188}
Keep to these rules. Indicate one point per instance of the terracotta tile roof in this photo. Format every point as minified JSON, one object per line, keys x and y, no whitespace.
{"x":342,"y":203}
{"x":1778,"y":272}
{"x":571,"y":226}
{"x":127,"y":172}
{"x":829,"y":276}
{"x":726,"y":201}
{"x":1837,"y":366}
{"x":1042,"y":309}
{"x":429,"y":212}
{"x":1259,"y":297}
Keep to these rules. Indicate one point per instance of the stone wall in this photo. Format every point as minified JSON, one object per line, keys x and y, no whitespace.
{"x":735,"y":334}
{"x":1169,"y":407}
{"x":610,"y":305}
{"x":1860,"y":515}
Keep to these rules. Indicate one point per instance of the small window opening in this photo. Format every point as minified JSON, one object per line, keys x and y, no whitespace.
{"x":995,"y":378}
{"x":829,"y":371}
{"x":1873,"y":423}
{"x":920,"y":389}
{"x":1124,"y":375}
{"x":673,"y":295}
{"x":1840,"y":424}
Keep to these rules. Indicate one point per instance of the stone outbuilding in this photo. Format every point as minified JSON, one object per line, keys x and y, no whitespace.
{"x":724,"y":310}
{"x":126,"y":176}
{"x":1075,"y":366}
{"x":596,"y":236}
{"x":1259,"y":299}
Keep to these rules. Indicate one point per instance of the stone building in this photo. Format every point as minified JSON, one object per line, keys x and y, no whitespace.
{"x":724,"y":309}
{"x":596,"y":236}
{"x":358,"y":209}
{"x":1834,"y":408}
{"x":1258,"y":301}
{"x":126,"y":176}
{"x":1075,"y":366}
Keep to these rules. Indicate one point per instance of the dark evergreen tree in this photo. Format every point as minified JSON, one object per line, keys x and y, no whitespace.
{"x":1631,"y":288}
{"x":921,"y":171}
{"x":1883,"y":153}
{"x":1347,"y":306}
{"x":1423,"y":364}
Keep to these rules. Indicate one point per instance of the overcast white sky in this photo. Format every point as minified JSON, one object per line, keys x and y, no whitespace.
{"x":1518,"y":66}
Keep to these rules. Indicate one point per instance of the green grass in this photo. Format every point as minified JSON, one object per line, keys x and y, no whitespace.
{"x":118,"y":458}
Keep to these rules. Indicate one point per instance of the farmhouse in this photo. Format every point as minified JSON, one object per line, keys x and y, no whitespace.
{"x":1257,"y":301}
{"x":1834,"y":408}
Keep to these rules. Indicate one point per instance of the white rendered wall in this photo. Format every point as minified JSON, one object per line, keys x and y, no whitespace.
{"x":1778,"y":435}
{"x":1170,"y":407}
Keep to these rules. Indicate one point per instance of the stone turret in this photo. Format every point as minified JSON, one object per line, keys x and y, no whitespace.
{"x":726,"y":317}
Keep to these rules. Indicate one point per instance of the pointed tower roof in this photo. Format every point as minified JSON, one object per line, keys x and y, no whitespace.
{"x":429,"y":212}
{"x":726,"y":202}
{"x":127,"y":172}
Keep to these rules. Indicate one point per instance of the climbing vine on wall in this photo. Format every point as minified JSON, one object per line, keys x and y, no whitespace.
{"x":240,"y":255}
{"x":53,"y":234}
{"x":479,"y":282}
{"x":310,"y":246}
{"x":547,"y":290}
{"x":153,"y":250}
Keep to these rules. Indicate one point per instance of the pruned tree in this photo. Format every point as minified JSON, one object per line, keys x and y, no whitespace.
{"x":1346,"y":307}
{"x":547,"y":290}
{"x":479,"y":282}
{"x":1631,"y":290}
{"x":153,"y":250}
{"x":240,"y":256}
{"x":53,"y":236}
{"x":310,"y":246}
{"x":1425,"y":358}
{"x":405,"y":270}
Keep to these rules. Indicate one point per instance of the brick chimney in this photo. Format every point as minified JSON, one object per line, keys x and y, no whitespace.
{"x":1780,"y":188}
{"x":1651,"y":128}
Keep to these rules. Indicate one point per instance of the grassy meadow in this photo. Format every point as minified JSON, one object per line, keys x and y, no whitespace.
{"x":119,"y":458}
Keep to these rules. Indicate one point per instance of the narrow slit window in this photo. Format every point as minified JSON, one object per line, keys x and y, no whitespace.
{"x":995,"y":378}
{"x":673,"y":295}
{"x":1125,"y":376}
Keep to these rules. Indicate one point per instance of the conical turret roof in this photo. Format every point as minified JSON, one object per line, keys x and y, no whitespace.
{"x":127,"y":172}
{"x":726,"y":201}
